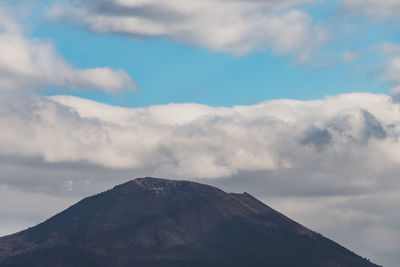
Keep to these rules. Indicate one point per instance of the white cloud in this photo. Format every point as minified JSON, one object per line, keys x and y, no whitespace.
{"x":29,"y":63}
{"x":173,"y":139}
{"x":233,"y":26}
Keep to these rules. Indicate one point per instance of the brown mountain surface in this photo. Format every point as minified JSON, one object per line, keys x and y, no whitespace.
{"x":158,"y":222}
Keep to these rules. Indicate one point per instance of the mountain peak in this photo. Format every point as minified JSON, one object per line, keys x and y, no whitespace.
{"x":160,"y":186}
{"x":158,"y":222}
{"x":157,"y":184}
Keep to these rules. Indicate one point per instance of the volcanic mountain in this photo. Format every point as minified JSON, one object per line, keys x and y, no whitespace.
{"x":156,"y":222}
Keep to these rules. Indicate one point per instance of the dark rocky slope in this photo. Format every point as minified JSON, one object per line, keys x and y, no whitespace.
{"x":157,"y":222}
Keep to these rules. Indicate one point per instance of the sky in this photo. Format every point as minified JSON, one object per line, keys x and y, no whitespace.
{"x":293,"y":101}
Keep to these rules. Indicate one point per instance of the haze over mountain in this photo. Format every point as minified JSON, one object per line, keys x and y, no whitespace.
{"x":158,"y":222}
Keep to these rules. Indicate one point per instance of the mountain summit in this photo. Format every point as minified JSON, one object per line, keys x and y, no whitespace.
{"x":156,"y":222}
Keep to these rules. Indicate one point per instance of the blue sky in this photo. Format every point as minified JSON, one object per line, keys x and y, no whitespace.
{"x":169,"y":71}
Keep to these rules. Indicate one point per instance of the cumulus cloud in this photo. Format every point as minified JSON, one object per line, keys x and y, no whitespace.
{"x":233,"y":26}
{"x":29,"y":63}
{"x":197,"y":140}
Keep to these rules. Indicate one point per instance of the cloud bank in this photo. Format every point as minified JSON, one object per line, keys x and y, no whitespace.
{"x":233,"y":26}
{"x":202,"y":141}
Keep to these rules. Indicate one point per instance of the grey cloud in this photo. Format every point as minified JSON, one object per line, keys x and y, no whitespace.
{"x":233,"y":26}
{"x":376,"y":9}
{"x":299,"y":182}
{"x":155,"y":12}
{"x":26,"y":209}
{"x":317,"y":137}
{"x":66,"y":179}
{"x":352,"y":225}
{"x":373,"y":128}
{"x":396,"y":98}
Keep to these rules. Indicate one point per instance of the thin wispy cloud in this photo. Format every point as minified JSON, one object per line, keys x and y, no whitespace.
{"x":391,"y":53}
{"x":376,"y":9}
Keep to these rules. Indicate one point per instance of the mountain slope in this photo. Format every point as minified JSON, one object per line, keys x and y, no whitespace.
{"x":158,"y":222}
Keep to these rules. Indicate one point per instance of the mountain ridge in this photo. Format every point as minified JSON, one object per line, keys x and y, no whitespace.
{"x":159,"y":222}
